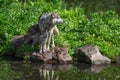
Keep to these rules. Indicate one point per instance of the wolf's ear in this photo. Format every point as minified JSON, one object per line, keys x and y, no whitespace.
{"x":53,"y":15}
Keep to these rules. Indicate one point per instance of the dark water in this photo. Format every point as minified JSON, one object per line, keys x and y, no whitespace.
{"x":21,"y":70}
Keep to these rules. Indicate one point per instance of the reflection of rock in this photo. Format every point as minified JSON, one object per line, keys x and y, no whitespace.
{"x":60,"y":67}
{"x":91,"y":54}
{"x":56,"y":55}
{"x":91,"y":68}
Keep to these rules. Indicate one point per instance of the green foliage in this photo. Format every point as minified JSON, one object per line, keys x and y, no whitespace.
{"x":25,"y":51}
{"x":103,"y":29}
{"x":27,"y":57}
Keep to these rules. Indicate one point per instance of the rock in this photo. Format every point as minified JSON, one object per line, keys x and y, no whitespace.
{"x":56,"y":55}
{"x":36,"y":57}
{"x":91,"y":54}
{"x":17,"y":41}
{"x":63,"y":56}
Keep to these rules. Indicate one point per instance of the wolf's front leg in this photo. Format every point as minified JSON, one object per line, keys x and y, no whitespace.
{"x":49,"y":39}
{"x":44,"y":47}
{"x":53,"y":42}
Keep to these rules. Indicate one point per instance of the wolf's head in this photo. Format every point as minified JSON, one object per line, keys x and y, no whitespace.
{"x":48,"y":21}
{"x":56,"y":18}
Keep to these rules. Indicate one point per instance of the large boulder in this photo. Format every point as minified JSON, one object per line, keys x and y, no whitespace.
{"x":16,"y":43}
{"x":91,"y":54}
{"x":56,"y":55}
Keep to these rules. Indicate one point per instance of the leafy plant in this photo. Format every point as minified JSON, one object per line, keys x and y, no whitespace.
{"x":103,"y":29}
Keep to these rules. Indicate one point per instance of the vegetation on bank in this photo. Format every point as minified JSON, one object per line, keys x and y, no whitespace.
{"x":102,"y":29}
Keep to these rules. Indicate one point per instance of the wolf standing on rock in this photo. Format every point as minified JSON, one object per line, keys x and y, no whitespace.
{"x":43,"y":31}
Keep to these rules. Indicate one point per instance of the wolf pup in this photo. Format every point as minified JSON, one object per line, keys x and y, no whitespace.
{"x":34,"y":34}
{"x":31,"y":31}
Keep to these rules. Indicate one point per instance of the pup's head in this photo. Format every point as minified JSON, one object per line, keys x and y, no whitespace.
{"x":56,"y":18}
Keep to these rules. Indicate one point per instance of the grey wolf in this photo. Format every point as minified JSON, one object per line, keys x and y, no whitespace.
{"x":46,"y":25}
{"x":50,"y":20}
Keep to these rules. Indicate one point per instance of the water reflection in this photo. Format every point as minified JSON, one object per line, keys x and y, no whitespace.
{"x":47,"y":71}
{"x":91,"y":68}
{"x":36,"y":71}
{"x":48,"y":74}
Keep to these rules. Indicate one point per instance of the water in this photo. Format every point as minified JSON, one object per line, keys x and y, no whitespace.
{"x":21,"y":70}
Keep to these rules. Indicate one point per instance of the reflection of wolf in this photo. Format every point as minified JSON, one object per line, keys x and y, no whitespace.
{"x":47,"y":24}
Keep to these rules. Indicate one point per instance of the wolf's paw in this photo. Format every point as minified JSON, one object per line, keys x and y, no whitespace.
{"x":53,"y":45}
{"x":47,"y":49}
{"x":41,"y":52}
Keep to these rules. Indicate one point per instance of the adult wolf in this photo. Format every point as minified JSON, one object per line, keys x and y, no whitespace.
{"x":46,"y":25}
{"x":51,"y":19}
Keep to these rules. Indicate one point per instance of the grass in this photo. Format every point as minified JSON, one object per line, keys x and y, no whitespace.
{"x":103,"y":29}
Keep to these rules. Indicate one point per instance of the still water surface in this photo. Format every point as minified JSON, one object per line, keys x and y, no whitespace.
{"x":20,"y":70}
